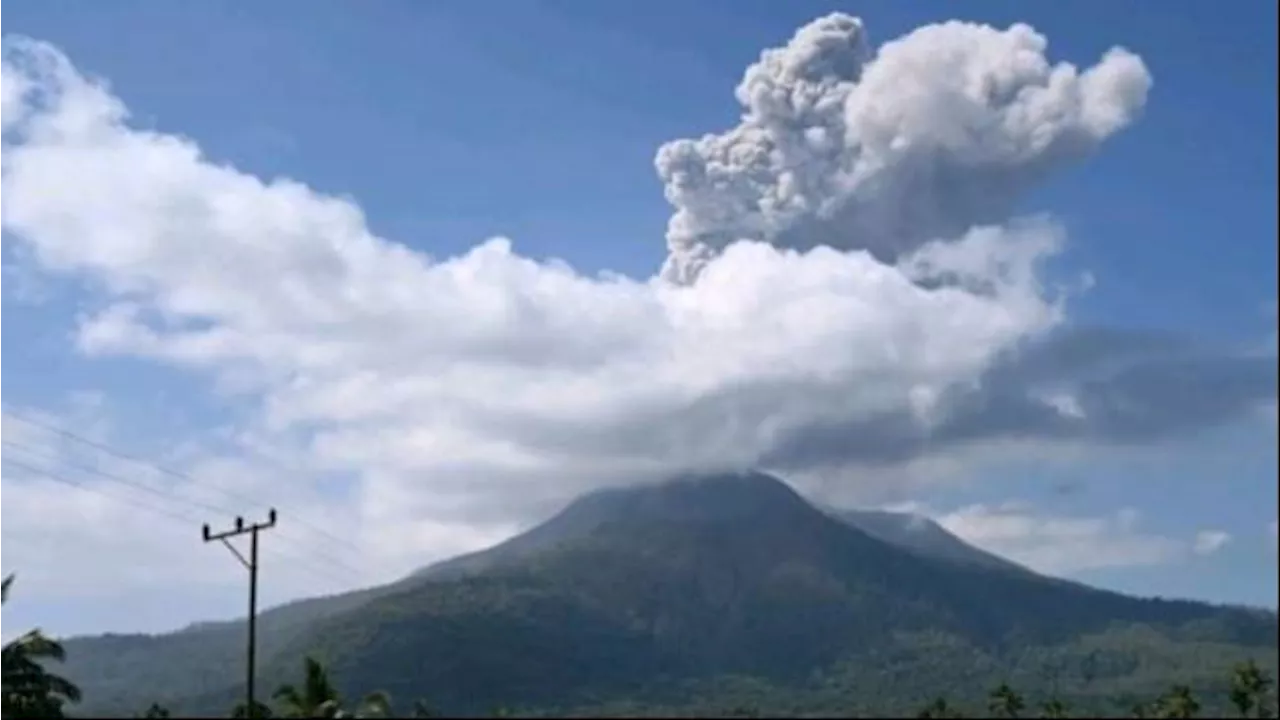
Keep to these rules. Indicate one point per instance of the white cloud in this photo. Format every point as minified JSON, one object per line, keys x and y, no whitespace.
{"x":1060,"y":545}
{"x":467,"y":394}
{"x":82,"y":524}
{"x":1208,"y":542}
{"x":488,"y":371}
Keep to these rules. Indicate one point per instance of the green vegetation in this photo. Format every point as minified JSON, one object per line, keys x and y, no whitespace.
{"x":1250,"y":696}
{"x":30,"y":690}
{"x":319,"y":698}
{"x":738,"y":599}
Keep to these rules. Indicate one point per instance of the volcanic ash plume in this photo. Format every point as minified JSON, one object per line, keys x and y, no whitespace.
{"x":937,"y":132}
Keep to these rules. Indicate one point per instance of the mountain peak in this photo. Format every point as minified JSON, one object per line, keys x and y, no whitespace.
{"x":713,"y":576}
{"x":710,"y":498}
{"x":750,"y":499}
{"x":691,"y":497}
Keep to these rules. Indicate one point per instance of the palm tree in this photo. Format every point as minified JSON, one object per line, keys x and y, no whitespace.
{"x":317,"y":698}
{"x":1249,"y":686}
{"x":1004,"y":702}
{"x":29,"y":689}
{"x":156,"y":711}
{"x":1054,"y":708}
{"x":1178,"y":703}
{"x":938,"y":709}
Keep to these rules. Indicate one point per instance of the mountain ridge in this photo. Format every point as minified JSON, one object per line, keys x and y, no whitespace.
{"x":690,"y":496}
{"x":636,"y":592}
{"x":922,"y":535}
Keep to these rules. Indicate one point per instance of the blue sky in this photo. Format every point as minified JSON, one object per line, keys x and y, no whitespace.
{"x":449,"y":123}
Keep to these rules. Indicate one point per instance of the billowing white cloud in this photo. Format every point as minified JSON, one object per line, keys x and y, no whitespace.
{"x":487,"y":365}
{"x":1208,"y":542}
{"x":844,"y":259}
{"x":937,"y":131}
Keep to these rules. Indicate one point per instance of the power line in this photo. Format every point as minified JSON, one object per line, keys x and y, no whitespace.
{"x":25,"y":418}
{"x":186,"y":520}
{"x":166,"y":496}
{"x":116,"y":478}
{"x":58,"y":478}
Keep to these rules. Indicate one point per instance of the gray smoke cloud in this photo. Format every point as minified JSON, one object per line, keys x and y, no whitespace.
{"x":938,"y":131}
{"x":1099,"y":385}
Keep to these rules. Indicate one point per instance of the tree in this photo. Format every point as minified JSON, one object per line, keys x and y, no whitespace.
{"x":29,"y":689}
{"x":1249,"y":686}
{"x":1054,"y":708}
{"x":156,"y":711}
{"x":1004,"y":702}
{"x":317,"y":697}
{"x":1179,"y":702}
{"x":938,"y":709}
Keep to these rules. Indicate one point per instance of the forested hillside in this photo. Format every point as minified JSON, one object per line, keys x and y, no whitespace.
{"x":700,"y":595}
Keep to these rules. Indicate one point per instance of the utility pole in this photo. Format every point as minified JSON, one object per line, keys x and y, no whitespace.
{"x":252,"y":566}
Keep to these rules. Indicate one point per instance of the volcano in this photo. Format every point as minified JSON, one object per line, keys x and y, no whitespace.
{"x":698,"y":595}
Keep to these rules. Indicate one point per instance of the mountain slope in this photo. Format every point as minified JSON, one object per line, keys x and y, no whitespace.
{"x":687,"y":498}
{"x":662,"y":595}
{"x":682,"y":497}
{"x":922,"y":536}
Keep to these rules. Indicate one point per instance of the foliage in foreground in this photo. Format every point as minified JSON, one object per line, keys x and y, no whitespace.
{"x":30,"y":690}
{"x":1250,"y":695}
{"x":696,"y":598}
{"x":318,"y":698}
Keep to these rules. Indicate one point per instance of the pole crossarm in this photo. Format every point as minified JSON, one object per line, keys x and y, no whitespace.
{"x":240,"y":528}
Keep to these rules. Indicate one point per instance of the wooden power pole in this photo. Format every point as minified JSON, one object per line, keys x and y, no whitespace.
{"x":251,"y":564}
